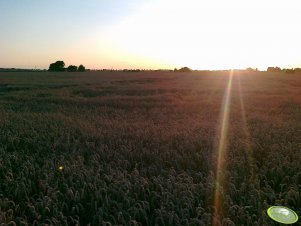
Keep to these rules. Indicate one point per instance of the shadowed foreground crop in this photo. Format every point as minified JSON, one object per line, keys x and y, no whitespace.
{"x":105,"y":148}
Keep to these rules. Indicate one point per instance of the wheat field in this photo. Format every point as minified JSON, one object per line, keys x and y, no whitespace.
{"x":144,"y":148}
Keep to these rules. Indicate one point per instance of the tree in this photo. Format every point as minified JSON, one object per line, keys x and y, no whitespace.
{"x":297,"y":70}
{"x":57,"y":66}
{"x":81,"y":68}
{"x":184,"y":69}
{"x":289,"y":71}
{"x":274,"y":69}
{"x":249,"y":69}
{"x":72,"y":68}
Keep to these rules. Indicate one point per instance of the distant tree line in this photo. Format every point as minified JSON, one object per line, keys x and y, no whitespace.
{"x":60,"y":66}
{"x":131,"y":70}
{"x":249,"y":69}
{"x":289,"y":71}
{"x":20,"y":70}
{"x":183,"y":69}
{"x":274,"y":69}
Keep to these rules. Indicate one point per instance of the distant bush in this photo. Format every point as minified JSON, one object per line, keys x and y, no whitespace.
{"x":297,"y":70}
{"x":57,"y":66}
{"x":72,"y":68}
{"x":131,"y":70}
{"x":293,"y":70}
{"x":81,"y":68}
{"x":289,"y":71}
{"x":249,"y":69}
{"x":184,"y":69}
{"x":274,"y":69}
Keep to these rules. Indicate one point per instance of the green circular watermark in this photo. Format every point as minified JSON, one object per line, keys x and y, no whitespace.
{"x":282,"y":214}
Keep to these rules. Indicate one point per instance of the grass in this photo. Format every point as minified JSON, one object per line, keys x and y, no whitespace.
{"x":141,"y":148}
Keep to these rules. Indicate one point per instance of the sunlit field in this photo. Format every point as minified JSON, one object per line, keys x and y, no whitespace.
{"x":148,"y":148}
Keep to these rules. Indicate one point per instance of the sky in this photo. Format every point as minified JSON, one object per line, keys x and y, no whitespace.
{"x":150,"y":34}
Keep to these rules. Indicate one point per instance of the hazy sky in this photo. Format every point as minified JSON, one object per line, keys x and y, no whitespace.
{"x":213,"y":34}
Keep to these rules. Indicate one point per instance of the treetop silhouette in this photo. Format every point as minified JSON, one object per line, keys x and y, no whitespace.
{"x":60,"y":66}
{"x":57,"y":66}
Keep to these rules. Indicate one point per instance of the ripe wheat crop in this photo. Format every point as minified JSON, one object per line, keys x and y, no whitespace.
{"x":101,"y":148}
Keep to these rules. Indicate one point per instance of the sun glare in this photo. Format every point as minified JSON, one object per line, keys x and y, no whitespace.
{"x":211,"y":34}
{"x":222,"y":145}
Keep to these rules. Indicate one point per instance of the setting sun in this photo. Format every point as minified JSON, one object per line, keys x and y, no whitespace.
{"x":212,"y":34}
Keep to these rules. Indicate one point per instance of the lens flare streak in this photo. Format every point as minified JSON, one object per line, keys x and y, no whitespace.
{"x":222,"y":146}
